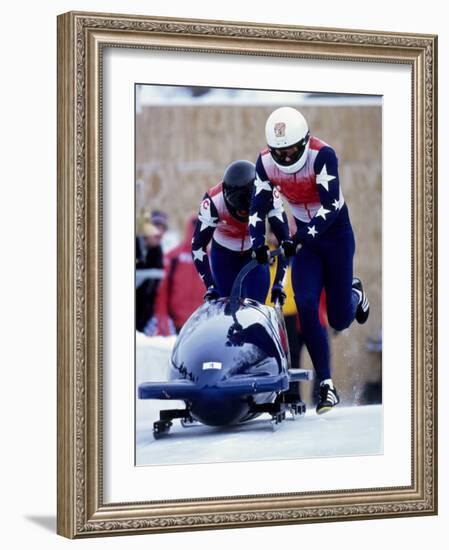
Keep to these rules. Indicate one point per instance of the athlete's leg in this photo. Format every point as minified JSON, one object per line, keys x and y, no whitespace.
{"x":225,"y":265}
{"x":307,"y":281}
{"x":337,"y":250}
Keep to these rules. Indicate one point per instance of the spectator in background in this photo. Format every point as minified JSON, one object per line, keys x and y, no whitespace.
{"x":148,"y":257}
{"x":181,"y":291}
{"x":160,"y":220}
{"x":148,"y":247}
{"x":169,"y":238}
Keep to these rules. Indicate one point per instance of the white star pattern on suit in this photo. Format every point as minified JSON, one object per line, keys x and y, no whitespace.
{"x":312,"y":231}
{"x":205,"y":217}
{"x":322,"y":212}
{"x":323,"y":178}
{"x":199,"y":254}
{"x":261,"y":185}
{"x":253,"y":219}
{"x":276,"y":213}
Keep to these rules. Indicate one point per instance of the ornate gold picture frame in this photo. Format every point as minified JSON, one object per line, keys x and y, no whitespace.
{"x":82,"y":40}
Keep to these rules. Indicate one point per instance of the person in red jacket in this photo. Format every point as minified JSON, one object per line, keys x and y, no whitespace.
{"x":181,"y":290}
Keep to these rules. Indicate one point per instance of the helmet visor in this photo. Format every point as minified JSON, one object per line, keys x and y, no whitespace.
{"x":286,"y":156}
{"x":238,"y":197}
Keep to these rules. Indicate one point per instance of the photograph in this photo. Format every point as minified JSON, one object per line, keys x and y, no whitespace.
{"x":258,"y":299}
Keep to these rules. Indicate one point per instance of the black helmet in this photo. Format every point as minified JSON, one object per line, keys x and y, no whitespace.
{"x":238,"y":183}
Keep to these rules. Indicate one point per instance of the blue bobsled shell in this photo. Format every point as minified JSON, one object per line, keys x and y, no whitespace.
{"x":222,"y":365}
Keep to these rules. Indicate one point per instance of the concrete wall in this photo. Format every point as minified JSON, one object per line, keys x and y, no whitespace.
{"x":181,"y":151}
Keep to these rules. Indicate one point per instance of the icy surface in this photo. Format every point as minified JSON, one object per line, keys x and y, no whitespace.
{"x":345,"y":431}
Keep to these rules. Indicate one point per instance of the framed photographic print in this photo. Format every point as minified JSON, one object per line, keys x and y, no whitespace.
{"x":187,"y":121}
{"x":247,"y":274}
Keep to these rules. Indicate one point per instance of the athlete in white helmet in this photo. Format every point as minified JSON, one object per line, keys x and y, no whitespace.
{"x":304,"y":169}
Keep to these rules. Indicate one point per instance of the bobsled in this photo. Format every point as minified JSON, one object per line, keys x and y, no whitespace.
{"x":230,"y":363}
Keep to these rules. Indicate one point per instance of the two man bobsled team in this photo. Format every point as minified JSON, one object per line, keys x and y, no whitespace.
{"x":303,"y":170}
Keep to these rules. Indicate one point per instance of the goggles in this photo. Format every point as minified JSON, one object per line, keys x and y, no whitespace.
{"x":285,"y":156}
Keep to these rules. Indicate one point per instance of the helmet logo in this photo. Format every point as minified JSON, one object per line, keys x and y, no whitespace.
{"x":279,"y":129}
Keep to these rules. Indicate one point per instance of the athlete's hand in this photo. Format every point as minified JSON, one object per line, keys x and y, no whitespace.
{"x":211,"y":295}
{"x":278,"y":295}
{"x":262,"y":254}
{"x":289,"y":248}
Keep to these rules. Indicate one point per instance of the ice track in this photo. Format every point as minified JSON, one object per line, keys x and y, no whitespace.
{"x":344,"y":431}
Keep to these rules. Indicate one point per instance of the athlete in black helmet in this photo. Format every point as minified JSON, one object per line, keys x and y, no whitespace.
{"x":224,"y":219}
{"x":238,"y":181}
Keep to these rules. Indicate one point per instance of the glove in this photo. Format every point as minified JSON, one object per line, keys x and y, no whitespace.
{"x":278,"y":295}
{"x":235,"y":336}
{"x":262,"y":254}
{"x":298,"y":238}
{"x":211,"y":295}
{"x":289,"y":248}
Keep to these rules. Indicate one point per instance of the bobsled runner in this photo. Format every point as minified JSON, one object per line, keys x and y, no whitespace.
{"x":230,"y":363}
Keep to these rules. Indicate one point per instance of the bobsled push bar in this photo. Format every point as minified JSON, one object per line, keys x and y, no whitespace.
{"x":236,"y":291}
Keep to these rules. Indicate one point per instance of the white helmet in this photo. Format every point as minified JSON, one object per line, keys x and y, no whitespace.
{"x":285,"y":129}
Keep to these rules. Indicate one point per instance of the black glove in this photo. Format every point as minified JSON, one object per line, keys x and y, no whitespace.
{"x":262,"y":254}
{"x":289,"y":248}
{"x":278,"y":295}
{"x":235,"y":336}
{"x":211,"y":295}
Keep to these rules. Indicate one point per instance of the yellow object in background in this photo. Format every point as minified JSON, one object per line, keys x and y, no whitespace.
{"x":289,"y":307}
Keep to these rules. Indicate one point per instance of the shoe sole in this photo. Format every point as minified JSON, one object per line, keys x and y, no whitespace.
{"x":324,"y":410}
{"x":362,"y":319}
{"x":362,"y":312}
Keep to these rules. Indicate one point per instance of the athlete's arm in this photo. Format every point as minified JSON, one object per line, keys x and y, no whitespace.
{"x":279,"y":225}
{"x":204,"y":230}
{"x":278,"y":219}
{"x":261,"y":205}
